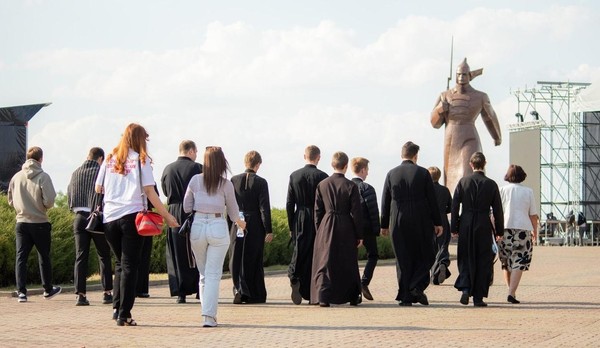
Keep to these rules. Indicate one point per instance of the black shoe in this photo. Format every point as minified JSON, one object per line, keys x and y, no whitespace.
{"x":441,"y":274}
{"x":479,"y":304}
{"x":180,"y":299}
{"x":405,"y":304}
{"x":366,"y":293}
{"x":126,"y":322}
{"x":357,"y":301}
{"x":512,"y":299}
{"x":55,"y":291}
{"x":107,"y":298}
{"x":143,"y":295}
{"x":82,"y":301}
{"x":237,"y":298}
{"x":324,"y":304}
{"x":296,"y":296}
{"x":464,"y":298}
{"x":420,"y":297}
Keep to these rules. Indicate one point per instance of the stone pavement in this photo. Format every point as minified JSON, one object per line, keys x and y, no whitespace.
{"x":560,"y":307}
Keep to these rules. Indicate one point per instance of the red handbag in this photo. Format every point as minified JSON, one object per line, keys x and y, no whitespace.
{"x":147,"y":223}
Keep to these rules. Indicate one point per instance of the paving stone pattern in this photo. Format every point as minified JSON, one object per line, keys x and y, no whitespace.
{"x":560,"y":306}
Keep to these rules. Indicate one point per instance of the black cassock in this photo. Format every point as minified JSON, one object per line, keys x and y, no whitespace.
{"x":246,"y":253}
{"x":409,"y":209}
{"x":442,"y":256}
{"x":183,"y":274}
{"x":300,"y":205}
{"x":477,"y":194}
{"x":338,"y":218}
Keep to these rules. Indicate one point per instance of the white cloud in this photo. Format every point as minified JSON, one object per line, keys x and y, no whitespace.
{"x":277,"y":91}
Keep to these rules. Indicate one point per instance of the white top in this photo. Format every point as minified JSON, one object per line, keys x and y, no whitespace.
{"x":518,"y":204}
{"x":197,"y":198}
{"x":122,"y":193}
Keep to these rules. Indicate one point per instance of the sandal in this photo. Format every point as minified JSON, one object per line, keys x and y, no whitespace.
{"x":126,"y":322}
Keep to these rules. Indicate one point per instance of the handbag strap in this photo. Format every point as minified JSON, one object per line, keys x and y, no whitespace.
{"x":144,"y":199}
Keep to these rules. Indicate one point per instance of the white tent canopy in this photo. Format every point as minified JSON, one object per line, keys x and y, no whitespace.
{"x":589,"y":99}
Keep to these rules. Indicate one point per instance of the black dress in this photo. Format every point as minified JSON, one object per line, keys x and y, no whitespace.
{"x":246,"y":253}
{"x":183,"y":274}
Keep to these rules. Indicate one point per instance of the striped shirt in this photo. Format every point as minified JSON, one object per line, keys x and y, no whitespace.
{"x":80,"y":192}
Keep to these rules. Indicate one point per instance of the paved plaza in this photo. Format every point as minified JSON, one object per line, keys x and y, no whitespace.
{"x":560,"y":307}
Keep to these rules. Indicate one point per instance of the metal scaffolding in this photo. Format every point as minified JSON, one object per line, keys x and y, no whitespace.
{"x":562,"y":144}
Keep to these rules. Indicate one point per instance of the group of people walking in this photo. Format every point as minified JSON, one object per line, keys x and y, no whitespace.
{"x":329,"y":217}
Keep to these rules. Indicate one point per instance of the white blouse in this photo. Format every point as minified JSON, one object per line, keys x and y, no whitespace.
{"x":518,"y":204}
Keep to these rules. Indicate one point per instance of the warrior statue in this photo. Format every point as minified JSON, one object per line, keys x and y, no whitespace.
{"x":458,"y":109}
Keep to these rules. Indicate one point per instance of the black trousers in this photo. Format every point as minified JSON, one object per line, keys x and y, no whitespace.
{"x":143,"y":279}
{"x":27,"y":236}
{"x":83,"y":241}
{"x":370,"y":243}
{"x":126,"y":244}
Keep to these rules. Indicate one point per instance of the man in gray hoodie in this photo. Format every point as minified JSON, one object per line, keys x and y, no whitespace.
{"x":31,"y":193}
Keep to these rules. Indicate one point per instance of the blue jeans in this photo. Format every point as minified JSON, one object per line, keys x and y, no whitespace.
{"x":209,"y":239}
{"x":29,"y":235}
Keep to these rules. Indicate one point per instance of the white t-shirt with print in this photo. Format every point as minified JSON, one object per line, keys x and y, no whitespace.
{"x":122,"y":193}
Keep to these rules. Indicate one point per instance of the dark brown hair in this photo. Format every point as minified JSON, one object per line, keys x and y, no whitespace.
{"x":477,"y":160}
{"x":215,"y":165}
{"x":409,"y":150}
{"x":515,"y":174}
{"x":95,"y":153}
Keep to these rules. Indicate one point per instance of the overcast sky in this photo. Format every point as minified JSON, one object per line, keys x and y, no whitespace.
{"x":274,"y":76}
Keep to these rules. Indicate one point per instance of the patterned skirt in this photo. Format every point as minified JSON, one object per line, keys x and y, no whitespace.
{"x":516,"y":249}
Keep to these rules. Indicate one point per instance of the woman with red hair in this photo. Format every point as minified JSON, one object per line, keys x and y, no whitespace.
{"x":119,"y":179}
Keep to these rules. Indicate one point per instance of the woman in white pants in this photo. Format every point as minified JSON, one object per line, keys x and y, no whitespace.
{"x":209,"y":195}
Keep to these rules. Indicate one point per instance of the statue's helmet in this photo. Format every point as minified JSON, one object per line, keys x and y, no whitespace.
{"x":463,"y":67}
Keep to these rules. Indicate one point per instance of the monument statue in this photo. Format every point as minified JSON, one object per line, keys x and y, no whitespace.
{"x":458,"y":109}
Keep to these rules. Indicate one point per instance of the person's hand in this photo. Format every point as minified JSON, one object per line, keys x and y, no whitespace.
{"x":497,"y":142}
{"x":99,"y":189}
{"x":360,"y":242}
{"x":454,"y":234}
{"x":385,"y":231}
{"x":269,"y":237}
{"x":171,"y":221}
{"x":241,"y":224}
{"x":439,"y":230}
{"x":498,"y":238}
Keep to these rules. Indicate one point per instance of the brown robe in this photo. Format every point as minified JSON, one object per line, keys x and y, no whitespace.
{"x":338,"y":218}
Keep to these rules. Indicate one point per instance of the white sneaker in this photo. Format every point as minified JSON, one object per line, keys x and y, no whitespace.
{"x":21,"y":297}
{"x":209,"y":321}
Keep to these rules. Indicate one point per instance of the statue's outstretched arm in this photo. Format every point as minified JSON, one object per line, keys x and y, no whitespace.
{"x":491,"y":121}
